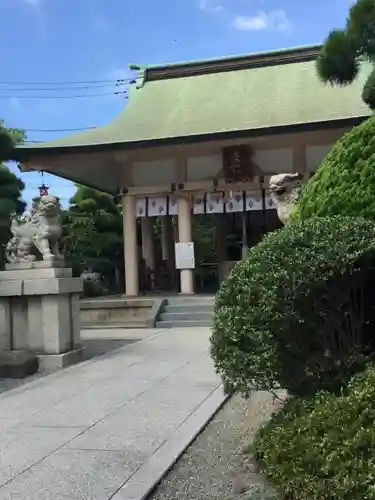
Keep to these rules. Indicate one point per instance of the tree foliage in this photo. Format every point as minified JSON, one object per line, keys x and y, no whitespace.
{"x":322,"y":449}
{"x":344,"y":184}
{"x":92,"y":230}
{"x":11,"y":186}
{"x":339,"y":58}
{"x":9,"y":137}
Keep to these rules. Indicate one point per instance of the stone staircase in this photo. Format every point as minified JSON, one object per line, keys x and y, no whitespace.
{"x":187,"y":311}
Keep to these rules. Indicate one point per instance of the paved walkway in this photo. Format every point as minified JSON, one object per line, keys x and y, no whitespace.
{"x":107,"y":428}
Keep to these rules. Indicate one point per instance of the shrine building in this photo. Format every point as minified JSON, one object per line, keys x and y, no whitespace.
{"x":202,"y":138}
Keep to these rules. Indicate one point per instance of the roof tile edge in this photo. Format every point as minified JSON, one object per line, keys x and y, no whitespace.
{"x":231,"y":63}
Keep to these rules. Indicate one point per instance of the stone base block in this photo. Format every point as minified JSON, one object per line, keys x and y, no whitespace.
{"x":39,"y":313}
{"x":18,"y":364}
{"x":33,"y":264}
{"x":50,"y":362}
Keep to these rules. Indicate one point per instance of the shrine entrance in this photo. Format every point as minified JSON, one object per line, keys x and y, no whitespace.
{"x":224,"y":225}
{"x":191,"y":174}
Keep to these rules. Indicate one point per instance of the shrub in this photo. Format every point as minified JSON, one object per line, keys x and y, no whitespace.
{"x":92,"y":288}
{"x":292,"y":313}
{"x":322,"y":449}
{"x":345,"y":182}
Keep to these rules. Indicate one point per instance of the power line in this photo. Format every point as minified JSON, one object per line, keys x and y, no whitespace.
{"x":52,"y":130}
{"x":80,"y":87}
{"x":82,"y":82}
{"x":76,"y":96}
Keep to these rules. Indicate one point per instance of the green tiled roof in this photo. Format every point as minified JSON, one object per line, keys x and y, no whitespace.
{"x":236,"y":94}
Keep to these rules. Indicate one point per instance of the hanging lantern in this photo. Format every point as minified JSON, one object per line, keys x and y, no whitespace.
{"x":43,"y":189}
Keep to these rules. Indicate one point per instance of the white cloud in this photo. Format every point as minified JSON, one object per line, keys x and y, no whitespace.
{"x":210,"y":6}
{"x":273,"y":20}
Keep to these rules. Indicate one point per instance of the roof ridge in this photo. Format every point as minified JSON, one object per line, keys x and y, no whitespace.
{"x":227,"y":63}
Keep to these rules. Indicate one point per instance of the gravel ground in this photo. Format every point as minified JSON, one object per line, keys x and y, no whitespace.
{"x":214,"y":467}
{"x":92,"y":348}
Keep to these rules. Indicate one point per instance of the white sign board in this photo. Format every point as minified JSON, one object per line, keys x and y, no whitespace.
{"x":185,"y":255}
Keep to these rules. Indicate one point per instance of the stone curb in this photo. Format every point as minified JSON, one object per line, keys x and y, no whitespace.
{"x":149,"y":475}
{"x":154,"y":314}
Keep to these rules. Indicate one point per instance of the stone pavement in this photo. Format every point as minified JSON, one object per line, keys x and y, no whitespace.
{"x":111,"y":426}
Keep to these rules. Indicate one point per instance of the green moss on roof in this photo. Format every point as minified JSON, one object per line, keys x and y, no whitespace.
{"x":245,"y":93}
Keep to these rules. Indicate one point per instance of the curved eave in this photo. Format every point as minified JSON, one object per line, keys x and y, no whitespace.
{"x":25,"y":154}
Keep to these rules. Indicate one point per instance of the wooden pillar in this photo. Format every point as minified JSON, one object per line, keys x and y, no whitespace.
{"x":130,"y":246}
{"x":148,"y":251}
{"x":184,"y":236}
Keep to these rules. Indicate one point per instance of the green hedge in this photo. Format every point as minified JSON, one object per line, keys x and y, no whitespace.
{"x":323,"y":449}
{"x":345,"y":182}
{"x":287,"y":315}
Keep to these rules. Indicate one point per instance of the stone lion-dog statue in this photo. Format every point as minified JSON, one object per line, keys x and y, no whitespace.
{"x":285,"y":190}
{"x":40,"y":230}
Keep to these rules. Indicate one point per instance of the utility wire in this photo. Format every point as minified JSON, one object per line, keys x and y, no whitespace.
{"x":41,"y":89}
{"x":52,"y":130}
{"x":74,"y":96}
{"x":60,"y":186}
{"x":82,"y":82}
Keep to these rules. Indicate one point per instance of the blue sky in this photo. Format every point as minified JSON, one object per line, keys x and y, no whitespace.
{"x":65,"y":41}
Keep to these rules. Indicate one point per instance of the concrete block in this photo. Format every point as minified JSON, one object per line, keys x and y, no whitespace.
{"x":18,"y":312}
{"x":37,"y":265}
{"x":19,"y":266}
{"x":11,"y":288}
{"x":180,"y":324}
{"x":40,"y":312}
{"x":53,"y":286}
{"x":34,"y":323}
{"x":51,"y":362}
{"x":75,"y":320}
{"x":5,"y":325}
{"x":56,"y":324}
{"x":17,"y":364}
{"x":52,"y":263}
{"x":27,"y":274}
{"x":154,"y":314}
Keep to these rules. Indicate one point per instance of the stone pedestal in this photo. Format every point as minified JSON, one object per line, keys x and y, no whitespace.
{"x":39,"y":312}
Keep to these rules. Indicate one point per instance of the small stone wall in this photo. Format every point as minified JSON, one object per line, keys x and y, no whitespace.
{"x":119,"y":312}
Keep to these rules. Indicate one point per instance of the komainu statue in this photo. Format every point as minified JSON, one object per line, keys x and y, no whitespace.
{"x":41,"y":230}
{"x":285,"y":189}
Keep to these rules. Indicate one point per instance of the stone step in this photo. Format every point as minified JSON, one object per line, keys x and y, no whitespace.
{"x":179,"y":324}
{"x":189,"y":309}
{"x":197,"y":315}
{"x":191,"y":300}
{"x":109,"y":326}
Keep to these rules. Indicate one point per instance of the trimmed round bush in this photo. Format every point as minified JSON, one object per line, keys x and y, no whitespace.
{"x":297,"y":313}
{"x":323,"y":449}
{"x":345,"y":182}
